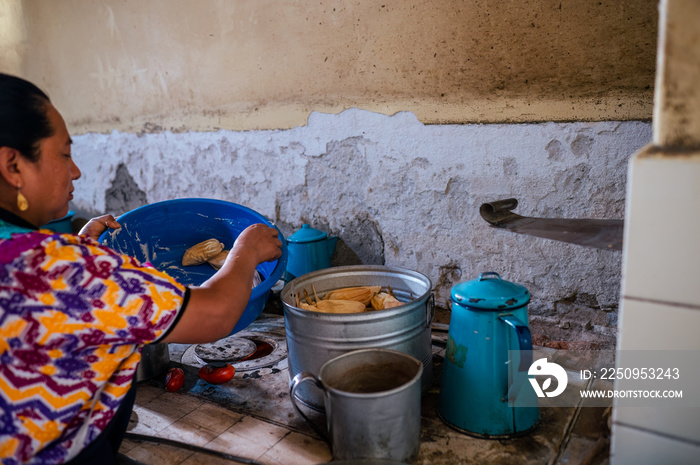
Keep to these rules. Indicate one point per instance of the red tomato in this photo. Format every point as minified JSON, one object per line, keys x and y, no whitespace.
{"x":217,"y":373}
{"x":174,"y":379}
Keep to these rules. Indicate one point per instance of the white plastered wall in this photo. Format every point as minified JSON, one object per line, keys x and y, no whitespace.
{"x":660,"y":309}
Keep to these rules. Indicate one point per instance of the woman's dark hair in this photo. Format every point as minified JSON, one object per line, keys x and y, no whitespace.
{"x":23,"y":118}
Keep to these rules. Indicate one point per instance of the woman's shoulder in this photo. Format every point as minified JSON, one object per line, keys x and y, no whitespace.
{"x":20,"y":239}
{"x":17,"y":241}
{"x":47,"y":250}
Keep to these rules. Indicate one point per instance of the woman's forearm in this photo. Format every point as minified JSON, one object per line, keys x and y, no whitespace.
{"x":215,"y":307}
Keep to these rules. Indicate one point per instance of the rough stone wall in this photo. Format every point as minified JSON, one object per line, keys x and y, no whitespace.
{"x":401,"y":193}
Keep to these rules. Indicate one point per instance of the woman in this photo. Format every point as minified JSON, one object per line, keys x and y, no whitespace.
{"x":74,"y":314}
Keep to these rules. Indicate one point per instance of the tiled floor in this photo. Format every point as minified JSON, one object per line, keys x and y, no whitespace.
{"x":251,"y":417}
{"x":187,"y":419}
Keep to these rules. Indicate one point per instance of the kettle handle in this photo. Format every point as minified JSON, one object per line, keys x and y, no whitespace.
{"x":524,"y":337}
{"x":293,"y":385}
{"x":522,"y":332}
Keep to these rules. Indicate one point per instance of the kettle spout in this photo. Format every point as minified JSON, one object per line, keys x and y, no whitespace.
{"x":331,"y":242}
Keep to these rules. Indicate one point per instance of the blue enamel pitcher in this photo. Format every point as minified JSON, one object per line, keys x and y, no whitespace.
{"x":309,"y":250}
{"x":484,"y":391}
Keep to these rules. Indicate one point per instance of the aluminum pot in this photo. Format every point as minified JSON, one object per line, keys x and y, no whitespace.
{"x":314,"y":338}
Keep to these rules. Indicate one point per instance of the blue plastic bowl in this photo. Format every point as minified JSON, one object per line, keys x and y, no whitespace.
{"x":160,"y":233}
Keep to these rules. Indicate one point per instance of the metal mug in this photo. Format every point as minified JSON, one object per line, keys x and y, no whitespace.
{"x":372,"y":402}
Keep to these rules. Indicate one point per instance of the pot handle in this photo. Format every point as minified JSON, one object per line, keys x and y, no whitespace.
{"x":293,"y":385}
{"x":430,"y":310}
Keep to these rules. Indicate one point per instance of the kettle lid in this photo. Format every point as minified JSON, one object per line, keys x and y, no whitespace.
{"x":490,"y":292}
{"x":307,"y":234}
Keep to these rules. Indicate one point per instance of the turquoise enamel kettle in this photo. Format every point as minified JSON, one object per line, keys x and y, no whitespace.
{"x":309,"y":250}
{"x":484,"y":391}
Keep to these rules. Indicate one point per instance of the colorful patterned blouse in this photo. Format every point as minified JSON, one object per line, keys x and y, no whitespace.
{"x":74,"y":316}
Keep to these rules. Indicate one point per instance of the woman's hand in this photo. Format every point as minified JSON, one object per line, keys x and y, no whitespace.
{"x":96,"y":226}
{"x":259,"y":240}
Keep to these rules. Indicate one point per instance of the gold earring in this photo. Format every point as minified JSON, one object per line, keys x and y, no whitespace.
{"x":22,"y":203}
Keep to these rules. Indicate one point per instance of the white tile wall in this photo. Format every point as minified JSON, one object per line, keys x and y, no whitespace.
{"x":660,"y":306}
{"x":648,"y":325}
{"x":681,"y":424}
{"x":632,"y":446}
{"x":661,"y":261}
{"x":670,"y":327}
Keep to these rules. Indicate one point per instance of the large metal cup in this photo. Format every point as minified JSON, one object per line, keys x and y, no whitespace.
{"x":372,"y":404}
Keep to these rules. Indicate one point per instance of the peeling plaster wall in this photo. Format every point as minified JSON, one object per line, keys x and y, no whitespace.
{"x":398,"y":192}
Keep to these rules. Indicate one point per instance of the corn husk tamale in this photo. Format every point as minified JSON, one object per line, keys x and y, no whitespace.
{"x":200,"y":253}
{"x":334,"y":306}
{"x":361,"y":294}
{"x":384,"y":300}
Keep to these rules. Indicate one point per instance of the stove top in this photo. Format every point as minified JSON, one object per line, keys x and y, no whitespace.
{"x":262,"y":348}
{"x":260,"y":387}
